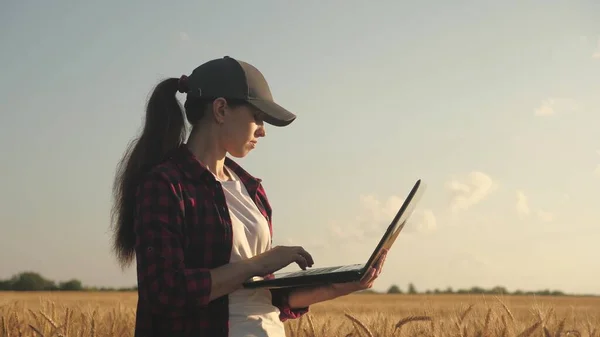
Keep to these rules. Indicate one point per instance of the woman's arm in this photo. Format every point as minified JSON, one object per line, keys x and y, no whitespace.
{"x":295,"y":302}
{"x":305,"y":297}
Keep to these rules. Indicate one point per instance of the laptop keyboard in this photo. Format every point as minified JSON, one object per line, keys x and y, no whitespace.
{"x":318,"y":271}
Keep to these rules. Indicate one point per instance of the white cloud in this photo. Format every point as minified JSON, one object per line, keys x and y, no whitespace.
{"x":378,"y":211}
{"x":545,"y":216}
{"x":523,"y":208}
{"x":522,"y":204}
{"x":553,"y":105}
{"x":546,"y":109}
{"x":470,"y":192}
{"x":346,"y":232}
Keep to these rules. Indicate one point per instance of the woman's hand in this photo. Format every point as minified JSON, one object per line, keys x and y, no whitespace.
{"x":342,"y":289}
{"x":278,"y":258}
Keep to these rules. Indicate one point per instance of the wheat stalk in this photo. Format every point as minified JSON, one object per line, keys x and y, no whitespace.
{"x":93,"y":327}
{"x":408,"y":319}
{"x":561,"y":326}
{"x":360,"y":324}
{"x":512,"y":318}
{"x":68,"y":314}
{"x":49,"y":319}
{"x":36,"y":330}
{"x":5,"y":332}
{"x":465,"y":313}
{"x":486,"y":325}
{"x":530,"y":329}
{"x":311,"y":325}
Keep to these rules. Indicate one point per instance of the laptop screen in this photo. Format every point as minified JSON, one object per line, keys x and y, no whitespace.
{"x":398,"y":223}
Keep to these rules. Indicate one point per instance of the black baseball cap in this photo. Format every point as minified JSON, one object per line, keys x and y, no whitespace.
{"x":233,"y":79}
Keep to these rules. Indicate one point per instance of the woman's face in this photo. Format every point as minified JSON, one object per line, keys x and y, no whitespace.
{"x":240,"y":129}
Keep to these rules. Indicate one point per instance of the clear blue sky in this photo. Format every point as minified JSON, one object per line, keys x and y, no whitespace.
{"x":495,"y":105}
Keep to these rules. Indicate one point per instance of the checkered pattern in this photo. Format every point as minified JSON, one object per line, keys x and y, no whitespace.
{"x":183,"y":231}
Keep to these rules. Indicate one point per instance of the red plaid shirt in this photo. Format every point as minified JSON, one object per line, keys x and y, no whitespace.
{"x":183,"y":230}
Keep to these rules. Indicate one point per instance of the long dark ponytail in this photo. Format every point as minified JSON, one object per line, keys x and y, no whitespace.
{"x":164,"y":130}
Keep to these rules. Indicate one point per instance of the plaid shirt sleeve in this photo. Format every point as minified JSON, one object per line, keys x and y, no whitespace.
{"x":164,"y":281}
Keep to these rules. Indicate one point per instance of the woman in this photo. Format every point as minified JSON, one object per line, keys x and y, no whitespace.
{"x":197,"y":223}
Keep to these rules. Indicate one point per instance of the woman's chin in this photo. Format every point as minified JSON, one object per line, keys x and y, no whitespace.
{"x":241,"y":153}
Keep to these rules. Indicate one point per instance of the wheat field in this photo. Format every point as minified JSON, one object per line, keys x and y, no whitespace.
{"x":112,"y":314}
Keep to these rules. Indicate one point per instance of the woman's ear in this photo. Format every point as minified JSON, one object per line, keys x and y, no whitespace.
{"x":219,"y":108}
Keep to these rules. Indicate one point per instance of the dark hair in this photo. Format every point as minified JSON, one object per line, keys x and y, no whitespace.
{"x":164,"y":130}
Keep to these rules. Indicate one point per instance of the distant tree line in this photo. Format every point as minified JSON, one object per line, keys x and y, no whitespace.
{"x":498,"y":290}
{"x":31,"y":281}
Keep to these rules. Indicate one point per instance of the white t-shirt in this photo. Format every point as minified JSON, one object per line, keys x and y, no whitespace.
{"x":251,"y":313}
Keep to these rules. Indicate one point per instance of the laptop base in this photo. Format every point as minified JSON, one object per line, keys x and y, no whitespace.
{"x":282,"y":280}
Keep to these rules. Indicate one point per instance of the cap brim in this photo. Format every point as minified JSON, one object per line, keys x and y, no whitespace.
{"x":275,"y":114}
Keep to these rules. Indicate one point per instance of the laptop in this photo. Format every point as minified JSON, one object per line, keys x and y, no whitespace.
{"x":345,"y":273}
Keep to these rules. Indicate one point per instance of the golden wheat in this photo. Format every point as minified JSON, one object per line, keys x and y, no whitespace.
{"x":113,"y":314}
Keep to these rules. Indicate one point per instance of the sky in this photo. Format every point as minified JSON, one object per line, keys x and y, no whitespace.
{"x":479,"y":99}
